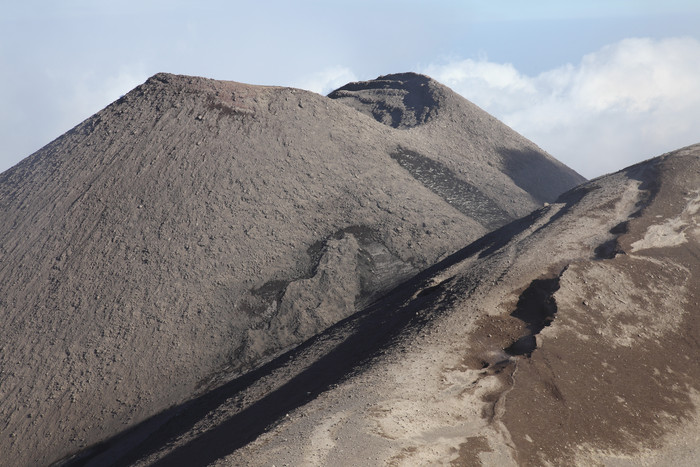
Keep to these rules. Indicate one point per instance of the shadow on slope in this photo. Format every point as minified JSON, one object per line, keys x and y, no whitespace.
{"x":532,"y":172}
{"x":370,"y":331}
{"x":536,"y":308}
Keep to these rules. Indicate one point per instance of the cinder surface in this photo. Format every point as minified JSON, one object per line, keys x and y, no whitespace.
{"x":195,"y":229}
{"x":604,"y":371}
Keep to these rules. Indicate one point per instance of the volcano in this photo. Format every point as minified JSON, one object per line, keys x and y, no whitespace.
{"x":195,"y":230}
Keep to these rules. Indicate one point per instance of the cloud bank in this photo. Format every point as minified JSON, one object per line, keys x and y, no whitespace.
{"x":626,"y":102}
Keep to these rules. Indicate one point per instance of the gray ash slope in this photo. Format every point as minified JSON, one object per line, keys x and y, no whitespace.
{"x":568,"y":337}
{"x":429,"y":111}
{"x":195,"y":228}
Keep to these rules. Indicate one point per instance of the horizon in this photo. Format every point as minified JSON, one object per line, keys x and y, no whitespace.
{"x":598,"y":86}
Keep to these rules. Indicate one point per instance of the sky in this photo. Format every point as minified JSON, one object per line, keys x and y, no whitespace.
{"x":600,"y":85}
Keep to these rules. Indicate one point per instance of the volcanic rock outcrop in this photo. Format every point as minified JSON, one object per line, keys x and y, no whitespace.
{"x":195,"y":229}
{"x":568,"y":337}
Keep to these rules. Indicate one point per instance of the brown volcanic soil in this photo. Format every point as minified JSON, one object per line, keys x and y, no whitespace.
{"x":196,"y":228}
{"x":565,"y":338}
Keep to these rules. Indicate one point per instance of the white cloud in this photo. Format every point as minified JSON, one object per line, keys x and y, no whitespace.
{"x":628,"y":101}
{"x":327,"y":80}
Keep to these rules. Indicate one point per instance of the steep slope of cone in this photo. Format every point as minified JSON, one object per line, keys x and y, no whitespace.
{"x":565,"y":338}
{"x":431,"y":111}
{"x":195,"y":228}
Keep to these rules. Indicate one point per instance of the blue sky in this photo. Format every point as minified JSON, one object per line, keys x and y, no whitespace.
{"x":598,"y":84}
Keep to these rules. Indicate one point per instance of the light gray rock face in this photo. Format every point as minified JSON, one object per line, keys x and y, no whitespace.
{"x":195,"y":228}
